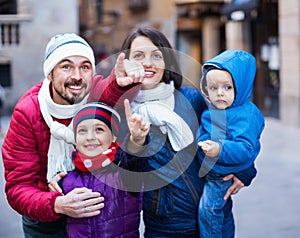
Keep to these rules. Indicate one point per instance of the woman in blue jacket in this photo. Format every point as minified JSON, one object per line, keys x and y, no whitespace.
{"x":229,"y":134}
{"x":172,"y":186}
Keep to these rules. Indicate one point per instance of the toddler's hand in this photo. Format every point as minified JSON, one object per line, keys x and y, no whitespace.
{"x":210,"y":148}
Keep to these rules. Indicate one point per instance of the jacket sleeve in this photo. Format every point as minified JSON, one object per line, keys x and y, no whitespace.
{"x":131,"y":166}
{"x":134,"y":161}
{"x":109,"y":92}
{"x":238,"y":132}
{"x":26,"y":186}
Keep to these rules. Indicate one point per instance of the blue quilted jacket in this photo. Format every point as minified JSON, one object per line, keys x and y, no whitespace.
{"x":172,"y":192}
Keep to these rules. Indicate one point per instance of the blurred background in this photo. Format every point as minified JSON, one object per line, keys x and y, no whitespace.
{"x":199,"y":30}
{"x":269,"y":29}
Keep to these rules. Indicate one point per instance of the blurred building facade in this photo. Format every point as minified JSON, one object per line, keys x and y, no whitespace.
{"x":198,"y":29}
{"x":26,"y":26}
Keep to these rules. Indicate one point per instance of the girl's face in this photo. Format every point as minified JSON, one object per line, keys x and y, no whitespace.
{"x":220,"y":88}
{"x":93,"y":137}
{"x":144,"y":51}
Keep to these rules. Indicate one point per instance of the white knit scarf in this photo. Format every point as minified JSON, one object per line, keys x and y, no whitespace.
{"x":62,"y":137}
{"x":157,"y":105}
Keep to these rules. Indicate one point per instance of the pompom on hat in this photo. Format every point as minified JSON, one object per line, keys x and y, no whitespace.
{"x":100,"y":111}
{"x":64,"y":45}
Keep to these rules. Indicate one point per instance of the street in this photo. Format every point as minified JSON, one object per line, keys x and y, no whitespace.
{"x":270,"y":207}
{"x":10,"y":221}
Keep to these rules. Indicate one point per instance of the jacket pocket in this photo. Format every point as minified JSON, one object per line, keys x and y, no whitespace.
{"x":162,"y":204}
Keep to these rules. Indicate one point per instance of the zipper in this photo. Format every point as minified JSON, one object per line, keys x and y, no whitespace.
{"x":92,"y":219}
{"x":184,"y":176}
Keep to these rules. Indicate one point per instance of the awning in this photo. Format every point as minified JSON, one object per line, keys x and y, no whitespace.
{"x":239,"y":10}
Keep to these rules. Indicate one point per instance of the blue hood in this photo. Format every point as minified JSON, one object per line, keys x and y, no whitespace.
{"x":242,"y":67}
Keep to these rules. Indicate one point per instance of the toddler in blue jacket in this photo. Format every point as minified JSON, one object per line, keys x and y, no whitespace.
{"x":229,"y":135}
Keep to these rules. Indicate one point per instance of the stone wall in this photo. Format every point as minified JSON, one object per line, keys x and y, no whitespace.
{"x":289,"y":32}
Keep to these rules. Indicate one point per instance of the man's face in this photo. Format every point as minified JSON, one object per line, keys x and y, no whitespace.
{"x":71,"y":80}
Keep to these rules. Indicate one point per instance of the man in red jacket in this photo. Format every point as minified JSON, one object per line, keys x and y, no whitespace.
{"x":39,"y":141}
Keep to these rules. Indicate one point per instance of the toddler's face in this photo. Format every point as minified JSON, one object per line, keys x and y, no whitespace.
{"x":93,"y":137}
{"x":220,"y":88}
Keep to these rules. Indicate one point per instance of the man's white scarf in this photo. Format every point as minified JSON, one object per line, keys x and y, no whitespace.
{"x":157,"y":105}
{"x":62,"y":137}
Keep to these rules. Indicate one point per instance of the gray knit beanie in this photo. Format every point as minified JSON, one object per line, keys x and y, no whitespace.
{"x":64,"y":45}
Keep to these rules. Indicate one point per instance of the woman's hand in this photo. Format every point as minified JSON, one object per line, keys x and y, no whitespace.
{"x":235,"y":187}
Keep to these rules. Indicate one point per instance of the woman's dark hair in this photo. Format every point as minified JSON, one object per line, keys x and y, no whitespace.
{"x":172,"y":70}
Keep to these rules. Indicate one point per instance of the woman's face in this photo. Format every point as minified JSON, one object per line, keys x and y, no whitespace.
{"x":144,"y":51}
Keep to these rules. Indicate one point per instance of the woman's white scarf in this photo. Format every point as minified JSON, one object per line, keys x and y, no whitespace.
{"x":62,"y":137}
{"x":157,"y":105}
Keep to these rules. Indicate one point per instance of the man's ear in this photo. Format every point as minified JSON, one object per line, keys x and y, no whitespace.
{"x":50,"y":76}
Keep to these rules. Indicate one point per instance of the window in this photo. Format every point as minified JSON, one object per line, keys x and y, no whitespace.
{"x":138,"y":5}
{"x":8,"y":6}
{"x":5,"y":75}
{"x":9,"y":30}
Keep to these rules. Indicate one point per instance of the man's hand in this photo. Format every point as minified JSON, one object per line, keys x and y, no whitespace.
{"x":80,"y":202}
{"x":235,"y":187}
{"x":53,"y":184}
{"x":128,"y":72}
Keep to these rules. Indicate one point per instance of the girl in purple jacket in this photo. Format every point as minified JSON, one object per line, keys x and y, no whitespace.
{"x":99,"y":162}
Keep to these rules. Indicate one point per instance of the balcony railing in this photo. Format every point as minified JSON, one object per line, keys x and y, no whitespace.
{"x":10,"y":29}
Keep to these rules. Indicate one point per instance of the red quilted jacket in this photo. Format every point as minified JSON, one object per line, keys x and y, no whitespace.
{"x":25,"y":148}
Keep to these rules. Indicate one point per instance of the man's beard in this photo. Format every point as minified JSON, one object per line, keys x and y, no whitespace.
{"x":71,"y":100}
